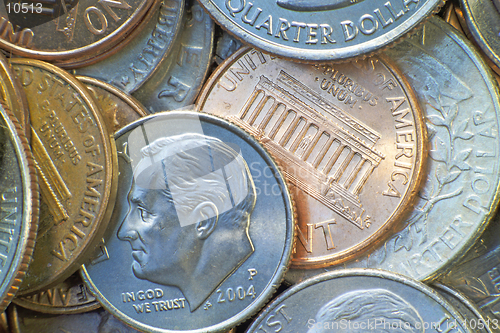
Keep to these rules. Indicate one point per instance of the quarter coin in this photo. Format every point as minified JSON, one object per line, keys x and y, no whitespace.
{"x":320,"y":29}
{"x":197,"y":241}
{"x":75,"y":159}
{"x":349,"y":137}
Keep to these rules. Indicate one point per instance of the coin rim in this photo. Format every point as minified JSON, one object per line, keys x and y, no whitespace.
{"x":285,"y":259}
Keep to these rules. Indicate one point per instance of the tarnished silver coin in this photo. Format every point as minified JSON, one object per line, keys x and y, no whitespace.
{"x":180,"y":76}
{"x":68,"y":297}
{"x":19,"y":204}
{"x":202,"y":231}
{"x":477,"y":275}
{"x":349,"y":138}
{"x":461,"y":106}
{"x":97,"y":321}
{"x":309,"y":30}
{"x":131,"y":66}
{"x":359,"y":301}
{"x":470,"y":315}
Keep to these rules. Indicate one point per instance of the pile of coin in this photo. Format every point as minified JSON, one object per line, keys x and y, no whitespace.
{"x":235,"y":166}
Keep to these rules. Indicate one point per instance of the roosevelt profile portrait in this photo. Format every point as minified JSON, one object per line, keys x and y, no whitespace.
{"x":190,"y":204}
{"x":315,"y":5}
{"x":359,"y":308}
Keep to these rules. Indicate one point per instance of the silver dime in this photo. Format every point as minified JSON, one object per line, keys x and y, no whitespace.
{"x":319,"y":29}
{"x":178,"y":79}
{"x":359,"y":301}
{"x":460,"y":100}
{"x":202,"y":229}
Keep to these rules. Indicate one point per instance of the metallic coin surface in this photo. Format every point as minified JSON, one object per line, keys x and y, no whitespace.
{"x":471,"y":316}
{"x":131,"y":66}
{"x":84,"y":29}
{"x":68,"y":297}
{"x":349,"y":137}
{"x":97,"y":321}
{"x":180,"y":76}
{"x":18,"y":205}
{"x":226,"y":46}
{"x":319,"y":29}
{"x":477,"y":274}
{"x":197,"y":241}
{"x":483,"y":23}
{"x":461,"y":105}
{"x":359,"y":301}
{"x":118,"y":108}
{"x":75,"y":158}
{"x":13,"y":96}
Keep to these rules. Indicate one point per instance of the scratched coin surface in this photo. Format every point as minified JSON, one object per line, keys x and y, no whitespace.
{"x":97,"y":321}
{"x":468,"y":311}
{"x":18,"y":205}
{"x":132,"y":65}
{"x":477,"y":274}
{"x":180,"y":76}
{"x":349,"y":137}
{"x":198,"y":242}
{"x":69,"y":297}
{"x":359,"y":301}
{"x":66,"y":32}
{"x":117,"y":107}
{"x":75,"y":159}
{"x":319,"y":29}
{"x":460,"y":100}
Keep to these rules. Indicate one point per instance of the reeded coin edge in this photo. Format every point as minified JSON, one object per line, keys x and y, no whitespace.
{"x":349,"y":53}
{"x":47,"y":309}
{"x":283,"y":264}
{"x":110,"y":162}
{"x":28,"y":230}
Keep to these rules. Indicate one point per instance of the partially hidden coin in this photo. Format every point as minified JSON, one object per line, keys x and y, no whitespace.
{"x":477,"y":274}
{"x":97,"y":321}
{"x":19,"y":202}
{"x":129,"y":67}
{"x":68,"y":32}
{"x":180,"y":76}
{"x":349,"y":137}
{"x":13,"y":96}
{"x":359,"y":301}
{"x":75,"y":158}
{"x":117,"y":107}
{"x":483,"y":22}
{"x":472,"y":317}
{"x":460,"y":100}
{"x":69,"y":297}
{"x":197,"y":242}
{"x":318,"y":29}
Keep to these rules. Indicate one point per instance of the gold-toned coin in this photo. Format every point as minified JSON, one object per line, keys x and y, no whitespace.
{"x":69,"y":32}
{"x":75,"y":158}
{"x":118,"y":108}
{"x":350,"y":139}
{"x":69,"y":297}
{"x":13,"y":96}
